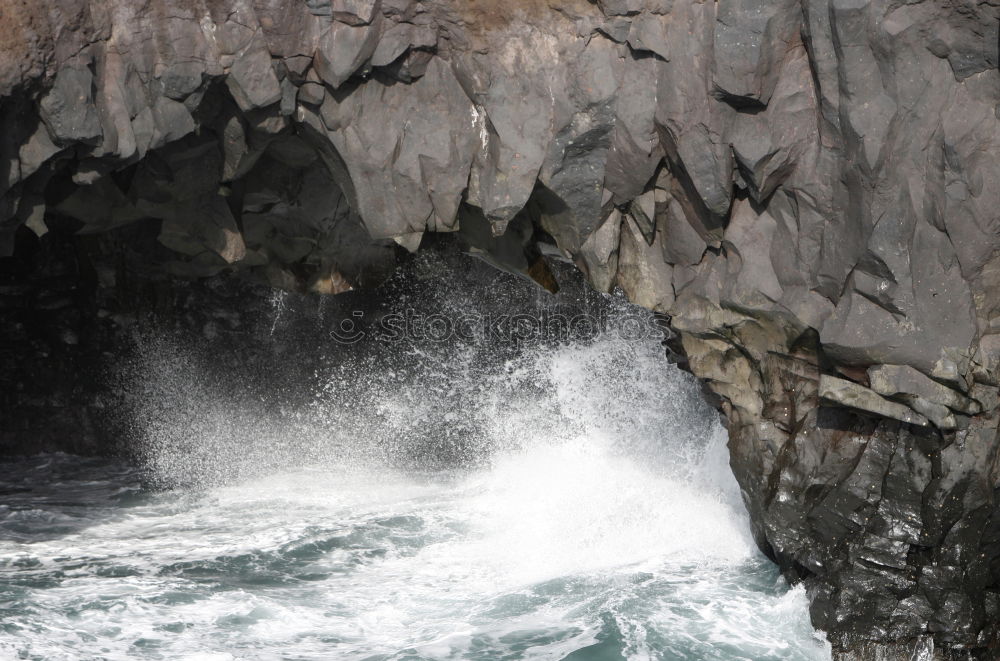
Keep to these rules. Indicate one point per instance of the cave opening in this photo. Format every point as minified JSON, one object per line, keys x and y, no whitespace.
{"x":199,"y":233}
{"x":335,"y":437}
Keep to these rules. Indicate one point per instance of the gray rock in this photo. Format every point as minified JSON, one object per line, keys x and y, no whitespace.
{"x":38,"y":149}
{"x":251,"y":79}
{"x":344,"y":49}
{"x":649,"y":33}
{"x":203,"y":224}
{"x":752,"y":37}
{"x":311,"y":93}
{"x":68,"y":108}
{"x":847,"y":393}
{"x":170,"y":121}
{"x":598,"y":257}
{"x":901,"y":380}
{"x":642,"y":274}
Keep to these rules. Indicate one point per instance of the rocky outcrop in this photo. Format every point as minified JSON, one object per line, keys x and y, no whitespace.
{"x":807,"y":189}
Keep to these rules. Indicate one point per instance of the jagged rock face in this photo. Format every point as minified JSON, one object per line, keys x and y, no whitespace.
{"x":809,"y":189}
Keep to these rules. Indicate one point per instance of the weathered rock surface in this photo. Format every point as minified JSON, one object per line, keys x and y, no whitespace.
{"x":808,"y":189}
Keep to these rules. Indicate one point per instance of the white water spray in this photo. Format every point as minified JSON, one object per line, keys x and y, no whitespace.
{"x":585,"y":511}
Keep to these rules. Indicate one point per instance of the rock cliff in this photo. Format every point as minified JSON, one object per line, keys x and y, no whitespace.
{"x":809,"y":190}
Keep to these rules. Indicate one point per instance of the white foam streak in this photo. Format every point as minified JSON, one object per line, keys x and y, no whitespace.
{"x":605,"y":515}
{"x":575,"y":507}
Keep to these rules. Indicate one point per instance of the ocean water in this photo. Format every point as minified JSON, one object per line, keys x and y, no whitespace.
{"x":568,"y":501}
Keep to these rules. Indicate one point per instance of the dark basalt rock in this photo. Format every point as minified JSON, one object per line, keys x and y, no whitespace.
{"x":808,"y":189}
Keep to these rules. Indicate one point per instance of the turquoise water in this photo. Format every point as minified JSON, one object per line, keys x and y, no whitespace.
{"x":597,"y":520}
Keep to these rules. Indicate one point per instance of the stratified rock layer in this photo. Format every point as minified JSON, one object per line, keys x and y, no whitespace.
{"x":808,"y":189}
